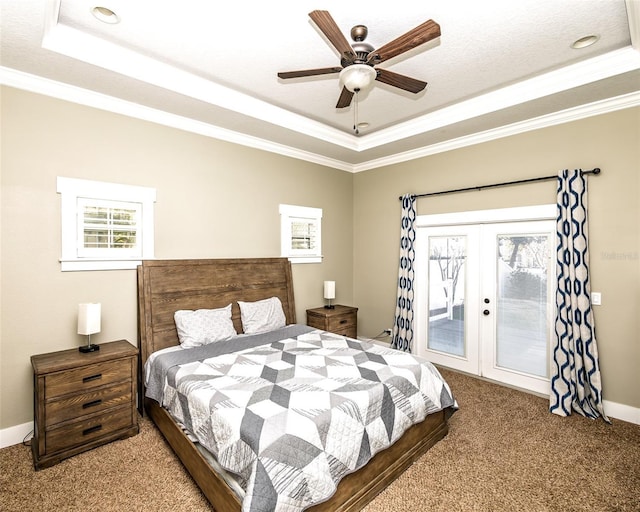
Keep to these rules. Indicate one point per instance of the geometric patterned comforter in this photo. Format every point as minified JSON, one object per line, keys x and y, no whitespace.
{"x":293,"y":417}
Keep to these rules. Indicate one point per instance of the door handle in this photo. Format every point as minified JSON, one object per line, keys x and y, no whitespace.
{"x":486,"y":312}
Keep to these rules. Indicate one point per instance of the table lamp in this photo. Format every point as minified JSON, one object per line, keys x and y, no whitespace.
{"x":88,"y":324}
{"x":329,"y":293}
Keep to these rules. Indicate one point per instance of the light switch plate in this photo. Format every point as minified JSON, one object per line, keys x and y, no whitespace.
{"x":596,"y":298}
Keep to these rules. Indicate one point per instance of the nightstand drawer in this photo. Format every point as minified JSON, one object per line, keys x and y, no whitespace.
{"x":341,"y":323}
{"x":349,"y":333}
{"x":75,"y":406}
{"x":341,"y":320}
{"x":86,"y":378}
{"x":83,"y":432}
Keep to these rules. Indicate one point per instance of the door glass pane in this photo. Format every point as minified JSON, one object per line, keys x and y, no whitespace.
{"x":522,"y":325}
{"x":447,"y":256}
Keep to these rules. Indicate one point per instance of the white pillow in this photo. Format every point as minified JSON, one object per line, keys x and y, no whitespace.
{"x":203,"y":326}
{"x":262,"y":315}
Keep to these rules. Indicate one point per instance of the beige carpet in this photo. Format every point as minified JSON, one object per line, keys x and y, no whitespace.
{"x":504,"y":452}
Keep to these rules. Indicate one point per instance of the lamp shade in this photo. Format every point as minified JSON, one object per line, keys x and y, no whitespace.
{"x":329,"y":289}
{"x":89,"y":318}
{"x":357,"y":77}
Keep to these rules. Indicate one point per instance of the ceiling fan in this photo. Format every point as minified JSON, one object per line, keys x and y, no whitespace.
{"x":358,"y":60}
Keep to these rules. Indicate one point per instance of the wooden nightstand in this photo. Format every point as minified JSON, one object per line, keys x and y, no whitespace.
{"x":82,"y":401}
{"x":341,"y":320}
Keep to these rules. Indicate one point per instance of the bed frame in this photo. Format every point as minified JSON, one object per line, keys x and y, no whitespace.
{"x":165,"y":286}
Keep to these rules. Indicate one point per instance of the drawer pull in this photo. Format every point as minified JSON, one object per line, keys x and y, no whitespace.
{"x":343,"y":321}
{"x":92,"y":404}
{"x":91,"y":430}
{"x":92,"y":377}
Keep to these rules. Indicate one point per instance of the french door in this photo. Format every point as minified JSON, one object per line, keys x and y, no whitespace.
{"x":484,"y":299}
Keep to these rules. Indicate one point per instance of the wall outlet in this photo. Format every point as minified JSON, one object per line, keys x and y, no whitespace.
{"x":387,"y":332}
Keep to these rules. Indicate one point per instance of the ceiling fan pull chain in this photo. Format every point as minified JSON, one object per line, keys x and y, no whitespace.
{"x":355,"y":113}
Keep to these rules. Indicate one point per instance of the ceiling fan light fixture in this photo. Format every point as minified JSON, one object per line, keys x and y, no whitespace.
{"x":357,"y":77}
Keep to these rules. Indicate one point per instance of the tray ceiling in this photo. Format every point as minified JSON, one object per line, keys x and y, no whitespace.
{"x":499,"y":67}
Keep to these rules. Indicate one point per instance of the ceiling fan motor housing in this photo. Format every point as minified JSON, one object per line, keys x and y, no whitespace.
{"x":360,"y":48}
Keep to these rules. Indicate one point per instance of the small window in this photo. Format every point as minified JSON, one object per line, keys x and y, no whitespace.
{"x":301,"y":232}
{"x":105,"y":225}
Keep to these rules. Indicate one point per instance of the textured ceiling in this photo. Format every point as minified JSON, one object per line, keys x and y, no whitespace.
{"x":211,"y":67}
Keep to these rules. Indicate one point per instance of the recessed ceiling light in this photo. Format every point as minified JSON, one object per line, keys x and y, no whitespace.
{"x":584,"y":42}
{"x":105,"y":15}
{"x":363,"y":125}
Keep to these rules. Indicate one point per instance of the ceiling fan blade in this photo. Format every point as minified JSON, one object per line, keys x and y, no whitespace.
{"x":401,"y":81}
{"x":345,"y":98}
{"x":308,"y":72}
{"x":330,"y":29}
{"x":421,"y":34}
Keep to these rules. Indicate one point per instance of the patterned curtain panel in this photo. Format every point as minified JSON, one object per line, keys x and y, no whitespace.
{"x":575,"y":371}
{"x":402,"y":334}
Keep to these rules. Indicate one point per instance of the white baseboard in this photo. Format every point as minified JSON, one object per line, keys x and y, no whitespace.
{"x":622,"y":412}
{"x":15,"y":435}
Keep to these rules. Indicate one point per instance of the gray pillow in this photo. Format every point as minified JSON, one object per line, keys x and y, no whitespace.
{"x":203,"y":326}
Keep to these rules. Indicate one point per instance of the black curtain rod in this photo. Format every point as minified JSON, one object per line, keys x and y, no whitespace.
{"x":595,"y":171}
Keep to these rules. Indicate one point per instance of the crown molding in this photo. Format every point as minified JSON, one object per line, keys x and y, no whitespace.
{"x":564,"y":116}
{"x":39,"y":85}
{"x":73,"y":94}
{"x":93,"y":50}
{"x":576,"y":75}
{"x":633,"y":15}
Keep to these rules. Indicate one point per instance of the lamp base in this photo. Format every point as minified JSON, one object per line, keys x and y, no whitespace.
{"x":329,"y":306}
{"x":89,"y":348}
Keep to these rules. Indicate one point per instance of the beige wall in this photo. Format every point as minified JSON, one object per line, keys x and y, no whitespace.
{"x":205,"y":188}
{"x":611,"y":142}
{"x":214,"y":199}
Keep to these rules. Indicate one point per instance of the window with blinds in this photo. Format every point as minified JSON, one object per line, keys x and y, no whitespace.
{"x":105,"y":225}
{"x":301,"y":239}
{"x":303,"y":234}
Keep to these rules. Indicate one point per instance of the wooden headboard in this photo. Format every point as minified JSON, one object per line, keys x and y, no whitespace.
{"x":165,"y":286}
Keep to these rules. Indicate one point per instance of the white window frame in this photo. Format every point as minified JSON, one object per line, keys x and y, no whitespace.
{"x":290,"y":214}
{"x":76,"y":192}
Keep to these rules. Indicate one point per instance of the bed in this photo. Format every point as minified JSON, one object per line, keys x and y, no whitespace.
{"x":167,"y":286}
